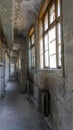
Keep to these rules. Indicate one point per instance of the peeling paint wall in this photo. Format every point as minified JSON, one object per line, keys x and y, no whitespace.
{"x":59,"y":87}
{"x":6,"y":14}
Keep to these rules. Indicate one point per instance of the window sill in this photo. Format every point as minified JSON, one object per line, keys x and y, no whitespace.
{"x":53,"y":72}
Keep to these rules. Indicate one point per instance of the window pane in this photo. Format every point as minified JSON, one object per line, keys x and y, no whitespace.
{"x":52,"y":48}
{"x":32,"y":39}
{"x":41,"y":46}
{"x":52,"y":34}
{"x":46,"y":42}
{"x":59,"y":54}
{"x":41,"y":61}
{"x":46,"y":22}
{"x":52,"y":13}
{"x":29,"y":58}
{"x":46,"y":59}
{"x":59,"y":11}
{"x":53,"y":61}
{"x":59,"y":33}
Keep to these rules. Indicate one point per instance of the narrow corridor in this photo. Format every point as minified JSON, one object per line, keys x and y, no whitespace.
{"x":17,"y":112}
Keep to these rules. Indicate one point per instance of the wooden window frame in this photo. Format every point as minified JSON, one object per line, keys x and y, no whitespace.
{"x":31,"y":47}
{"x":50,"y":26}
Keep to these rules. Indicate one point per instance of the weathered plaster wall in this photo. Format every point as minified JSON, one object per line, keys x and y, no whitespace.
{"x":54,"y":82}
{"x":6,"y":15}
{"x":23,"y":71}
{"x":2,"y":69}
{"x":67,"y":7}
{"x":59,"y":87}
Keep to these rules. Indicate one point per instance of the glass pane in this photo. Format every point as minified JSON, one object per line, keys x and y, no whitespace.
{"x":60,"y":59}
{"x":59,"y":47}
{"x":46,"y":59}
{"x":41,"y":46}
{"x":59,"y":33}
{"x":52,"y":48}
{"x":59,"y":54}
{"x":46,"y":22}
{"x":53,"y":61}
{"x":59,"y":11}
{"x":29,"y":58}
{"x":52,"y":34}
{"x":46,"y":42}
{"x":41,"y":61}
{"x":32,"y":39}
{"x":52,"y":13}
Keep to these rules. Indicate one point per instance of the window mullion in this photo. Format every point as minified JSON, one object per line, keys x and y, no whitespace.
{"x":56,"y":34}
{"x":56,"y":46}
{"x":43,"y":46}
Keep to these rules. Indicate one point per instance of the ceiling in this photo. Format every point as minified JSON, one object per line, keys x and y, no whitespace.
{"x":16,"y":17}
{"x":24,"y":14}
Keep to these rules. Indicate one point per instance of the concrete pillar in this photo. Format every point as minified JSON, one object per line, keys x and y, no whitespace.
{"x":23,"y":72}
{"x":4,"y":68}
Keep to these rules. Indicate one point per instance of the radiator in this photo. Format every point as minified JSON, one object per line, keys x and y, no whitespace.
{"x":44,"y":102}
{"x":30,"y":87}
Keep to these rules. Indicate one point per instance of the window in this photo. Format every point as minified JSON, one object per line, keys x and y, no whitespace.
{"x":50,"y":38}
{"x":32,"y":51}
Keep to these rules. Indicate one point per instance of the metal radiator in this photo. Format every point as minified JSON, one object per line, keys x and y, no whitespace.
{"x":44,"y":102}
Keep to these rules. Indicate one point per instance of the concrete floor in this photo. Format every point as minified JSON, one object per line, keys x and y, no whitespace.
{"x":18,"y":113}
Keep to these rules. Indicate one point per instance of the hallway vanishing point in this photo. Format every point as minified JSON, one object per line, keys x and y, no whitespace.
{"x":17,"y":112}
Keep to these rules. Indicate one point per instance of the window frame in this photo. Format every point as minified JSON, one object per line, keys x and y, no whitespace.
{"x":31,"y":46}
{"x":50,"y":26}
